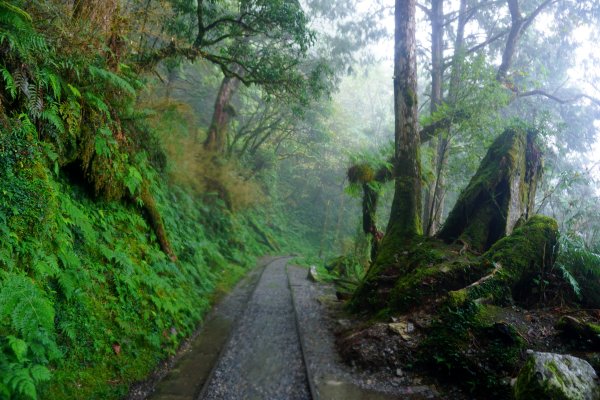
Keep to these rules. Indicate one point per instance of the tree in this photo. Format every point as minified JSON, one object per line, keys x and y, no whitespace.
{"x":405,"y":217}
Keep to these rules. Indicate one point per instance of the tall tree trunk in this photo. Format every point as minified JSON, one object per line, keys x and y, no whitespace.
{"x":436,"y":205}
{"x":437,"y":72}
{"x":405,"y":217}
{"x":514,"y":34}
{"x":216,"y":138}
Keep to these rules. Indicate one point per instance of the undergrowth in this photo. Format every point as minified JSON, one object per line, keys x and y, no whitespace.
{"x":580,"y":267}
{"x":90,"y":300}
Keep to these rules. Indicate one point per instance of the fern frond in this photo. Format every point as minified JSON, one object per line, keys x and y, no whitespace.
{"x":25,"y":306}
{"x":6,"y":6}
{"x":10,"y":82}
{"x":21,"y":382}
{"x":52,"y":115}
{"x":18,"y":346}
{"x":113,"y":79}
{"x":96,"y":102}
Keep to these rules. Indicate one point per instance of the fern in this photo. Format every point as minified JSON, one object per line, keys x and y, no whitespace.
{"x":19,"y":347}
{"x":26,"y":307}
{"x":579,"y":266}
{"x":133,"y":180}
{"x":7,"y":7}
{"x":96,"y":102}
{"x":52,"y":115}
{"x":22,"y":383}
{"x":10,"y":82}
{"x":112,"y":79}
{"x":26,"y":312}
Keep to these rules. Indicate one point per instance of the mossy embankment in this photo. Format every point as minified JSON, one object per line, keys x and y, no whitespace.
{"x":89,"y":301}
{"x":107,"y":262}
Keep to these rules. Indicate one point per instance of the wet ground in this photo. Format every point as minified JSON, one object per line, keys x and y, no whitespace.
{"x":189,"y":374}
{"x":263,"y":359}
{"x":271,"y":339}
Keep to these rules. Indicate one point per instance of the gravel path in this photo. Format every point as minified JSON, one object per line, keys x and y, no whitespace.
{"x":263,"y":358}
{"x":191,"y":369}
{"x":330,"y":378}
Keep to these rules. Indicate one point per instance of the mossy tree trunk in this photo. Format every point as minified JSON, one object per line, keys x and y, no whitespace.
{"x":405,"y":217}
{"x":418,"y":271}
{"x":500,"y":194}
{"x":369,"y":209}
{"x":155,"y":219}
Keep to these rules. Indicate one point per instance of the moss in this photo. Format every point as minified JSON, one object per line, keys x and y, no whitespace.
{"x":470,"y":346}
{"x":422,"y":269}
{"x":500,"y":193}
{"x":361,"y":173}
{"x":517,"y":259}
{"x":457,"y":297}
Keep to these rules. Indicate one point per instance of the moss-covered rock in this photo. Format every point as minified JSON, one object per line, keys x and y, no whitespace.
{"x":519,"y":261}
{"x":472,"y":346}
{"x":416,"y":273}
{"x":500,"y":194}
{"x":580,"y":334}
{"x":556,"y":377}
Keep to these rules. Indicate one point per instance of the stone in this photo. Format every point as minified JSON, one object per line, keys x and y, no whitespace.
{"x":313,"y":275}
{"x":499,"y":195}
{"x":556,"y":377}
{"x":403,"y":328}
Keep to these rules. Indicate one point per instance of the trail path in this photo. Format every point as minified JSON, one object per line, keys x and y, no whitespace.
{"x":263,"y":359}
{"x":269,"y":340}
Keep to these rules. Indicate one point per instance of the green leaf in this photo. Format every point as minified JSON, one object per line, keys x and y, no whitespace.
{"x":101,"y":146}
{"x":22,"y":13}
{"x":74,"y":90}
{"x":133,"y":180}
{"x":10,"y":82}
{"x":18,"y":346}
{"x":22,"y":383}
{"x":39,"y":373}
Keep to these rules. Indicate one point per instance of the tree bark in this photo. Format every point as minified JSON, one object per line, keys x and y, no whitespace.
{"x":437,"y":72}
{"x":436,"y":204}
{"x":514,"y":34}
{"x":369,"y":205}
{"x":405,"y":217}
{"x":216,"y":138}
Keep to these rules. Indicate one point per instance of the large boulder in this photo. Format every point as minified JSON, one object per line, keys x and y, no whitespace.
{"x":556,"y":377}
{"x":499,"y":195}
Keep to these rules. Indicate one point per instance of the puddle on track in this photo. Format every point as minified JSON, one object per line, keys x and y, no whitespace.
{"x":186,"y":379}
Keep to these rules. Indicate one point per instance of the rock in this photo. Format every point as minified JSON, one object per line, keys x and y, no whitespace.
{"x":313,"y":275}
{"x":583,"y":334}
{"x":556,"y":377}
{"x":499,"y":195}
{"x":403,"y":328}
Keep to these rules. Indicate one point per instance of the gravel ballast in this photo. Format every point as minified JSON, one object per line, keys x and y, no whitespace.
{"x":263,"y":358}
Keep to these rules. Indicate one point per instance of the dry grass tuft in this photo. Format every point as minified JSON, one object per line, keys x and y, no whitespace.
{"x":193,"y":167}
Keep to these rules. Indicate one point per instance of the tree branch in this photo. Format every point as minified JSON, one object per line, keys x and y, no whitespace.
{"x":539,"y":92}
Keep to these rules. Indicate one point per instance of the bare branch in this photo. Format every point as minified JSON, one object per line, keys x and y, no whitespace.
{"x":539,"y":92}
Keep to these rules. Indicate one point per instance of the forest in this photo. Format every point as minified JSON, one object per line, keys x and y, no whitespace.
{"x":436,"y":162}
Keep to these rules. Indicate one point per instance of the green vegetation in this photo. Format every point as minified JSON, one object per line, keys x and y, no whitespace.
{"x":151,"y":150}
{"x":106,"y":261}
